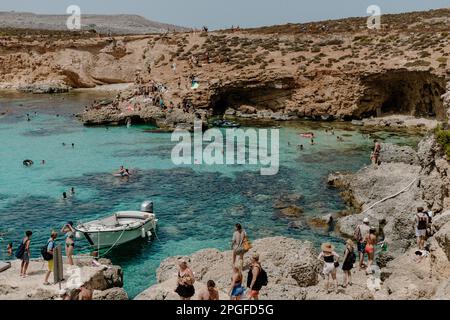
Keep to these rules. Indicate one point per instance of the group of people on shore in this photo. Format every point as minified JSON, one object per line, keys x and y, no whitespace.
{"x":368,"y":238}
{"x":256,"y":279}
{"x":23,"y":251}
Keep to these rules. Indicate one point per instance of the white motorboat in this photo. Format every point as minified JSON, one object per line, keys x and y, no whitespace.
{"x":119,"y":228}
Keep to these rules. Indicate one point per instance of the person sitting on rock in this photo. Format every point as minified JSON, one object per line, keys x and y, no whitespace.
{"x":210,"y":292}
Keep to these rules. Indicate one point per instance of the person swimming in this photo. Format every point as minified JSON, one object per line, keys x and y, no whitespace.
{"x":64,"y":195}
{"x":28,"y":163}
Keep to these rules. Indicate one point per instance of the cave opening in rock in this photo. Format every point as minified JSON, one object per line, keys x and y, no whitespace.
{"x":264,"y":97}
{"x":415,"y":93}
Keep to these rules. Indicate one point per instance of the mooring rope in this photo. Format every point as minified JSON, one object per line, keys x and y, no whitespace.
{"x":390,"y":197}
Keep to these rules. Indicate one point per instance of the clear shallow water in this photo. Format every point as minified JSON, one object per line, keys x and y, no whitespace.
{"x":197,"y":205}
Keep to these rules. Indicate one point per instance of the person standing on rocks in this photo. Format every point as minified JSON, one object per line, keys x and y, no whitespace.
{"x":376,"y":152}
{"x":257,"y":278}
{"x":69,"y":231}
{"x":24,"y":253}
{"x":331,"y":261}
{"x":349,"y":260}
{"x":371,"y":242}
{"x":237,"y":244}
{"x":360,"y":235}
{"x":50,"y":248}
{"x":186,"y":279}
{"x":236,"y":290}
{"x":421,"y":222}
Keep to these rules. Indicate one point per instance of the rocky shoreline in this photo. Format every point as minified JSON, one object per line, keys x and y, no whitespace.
{"x":293,"y":267}
{"x":105,"y":279}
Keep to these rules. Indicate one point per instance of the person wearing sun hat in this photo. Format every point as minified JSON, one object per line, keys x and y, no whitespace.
{"x":331,"y":261}
{"x":361,"y":232}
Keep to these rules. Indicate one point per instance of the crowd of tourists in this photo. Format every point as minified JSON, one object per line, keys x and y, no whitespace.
{"x":237,"y":290}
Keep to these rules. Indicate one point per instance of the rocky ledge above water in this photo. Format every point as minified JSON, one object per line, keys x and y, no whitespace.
{"x":105,"y":280}
{"x":424,"y":177}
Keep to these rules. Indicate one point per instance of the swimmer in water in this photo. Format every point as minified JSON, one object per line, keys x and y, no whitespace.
{"x":63,"y":144}
{"x":312,"y":142}
{"x":72,"y":191}
{"x":28,"y":163}
{"x":43,"y":162}
{"x":64,"y":195}
{"x":300,"y":147}
{"x":73,"y":145}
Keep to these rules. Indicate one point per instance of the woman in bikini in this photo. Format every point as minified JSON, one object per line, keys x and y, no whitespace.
{"x":236,"y":290}
{"x":376,"y":153}
{"x":69,"y":231}
{"x":371,"y":241}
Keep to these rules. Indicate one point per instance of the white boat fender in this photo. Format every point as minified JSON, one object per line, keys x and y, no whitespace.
{"x":149,"y":234}
{"x":143,"y":232}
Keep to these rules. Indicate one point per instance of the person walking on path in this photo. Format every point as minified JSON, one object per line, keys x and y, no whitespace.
{"x":371,"y":242}
{"x":349,"y":260}
{"x":421,"y":223}
{"x":331,"y":261}
{"x":360,"y":235}
{"x":51,"y":244}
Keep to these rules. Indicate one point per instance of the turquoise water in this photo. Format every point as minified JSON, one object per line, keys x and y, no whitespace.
{"x":197,"y":206}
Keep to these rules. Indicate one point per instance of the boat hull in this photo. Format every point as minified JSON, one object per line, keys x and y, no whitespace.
{"x":106,"y":239}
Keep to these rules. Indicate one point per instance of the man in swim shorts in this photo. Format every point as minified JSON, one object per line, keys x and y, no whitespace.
{"x":360,"y":234}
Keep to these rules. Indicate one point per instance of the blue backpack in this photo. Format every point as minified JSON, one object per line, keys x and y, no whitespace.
{"x":20,"y":251}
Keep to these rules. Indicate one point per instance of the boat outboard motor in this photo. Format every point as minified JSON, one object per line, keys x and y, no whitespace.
{"x":147,"y":206}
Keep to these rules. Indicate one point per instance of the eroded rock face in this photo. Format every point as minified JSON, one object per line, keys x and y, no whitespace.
{"x":110,"y":294}
{"x":443,"y":239}
{"x":106,"y":280}
{"x":290,"y":264}
{"x":395,"y":153}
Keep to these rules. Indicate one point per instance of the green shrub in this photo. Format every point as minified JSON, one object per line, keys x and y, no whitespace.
{"x":443,"y":138}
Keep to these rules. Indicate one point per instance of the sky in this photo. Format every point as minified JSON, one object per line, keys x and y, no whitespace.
{"x":218,"y":14}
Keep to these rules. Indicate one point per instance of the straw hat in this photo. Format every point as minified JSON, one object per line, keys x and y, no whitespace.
{"x":327,"y":247}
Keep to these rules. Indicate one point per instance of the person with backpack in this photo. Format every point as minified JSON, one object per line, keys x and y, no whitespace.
{"x":361,"y":232}
{"x":421,"y":223}
{"x":256,"y":279}
{"x":47,"y":253}
{"x":349,"y":261}
{"x":23,"y":253}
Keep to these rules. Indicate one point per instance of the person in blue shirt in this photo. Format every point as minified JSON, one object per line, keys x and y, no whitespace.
{"x":50,"y":248}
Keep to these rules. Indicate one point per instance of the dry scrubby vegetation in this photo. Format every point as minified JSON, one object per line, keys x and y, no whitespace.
{"x":443,"y":137}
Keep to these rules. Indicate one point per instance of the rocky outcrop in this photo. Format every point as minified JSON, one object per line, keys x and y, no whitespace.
{"x":281,"y":75}
{"x":423,"y":176}
{"x":41,"y":88}
{"x":291,"y":266}
{"x":395,"y":153}
{"x":105,"y":279}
